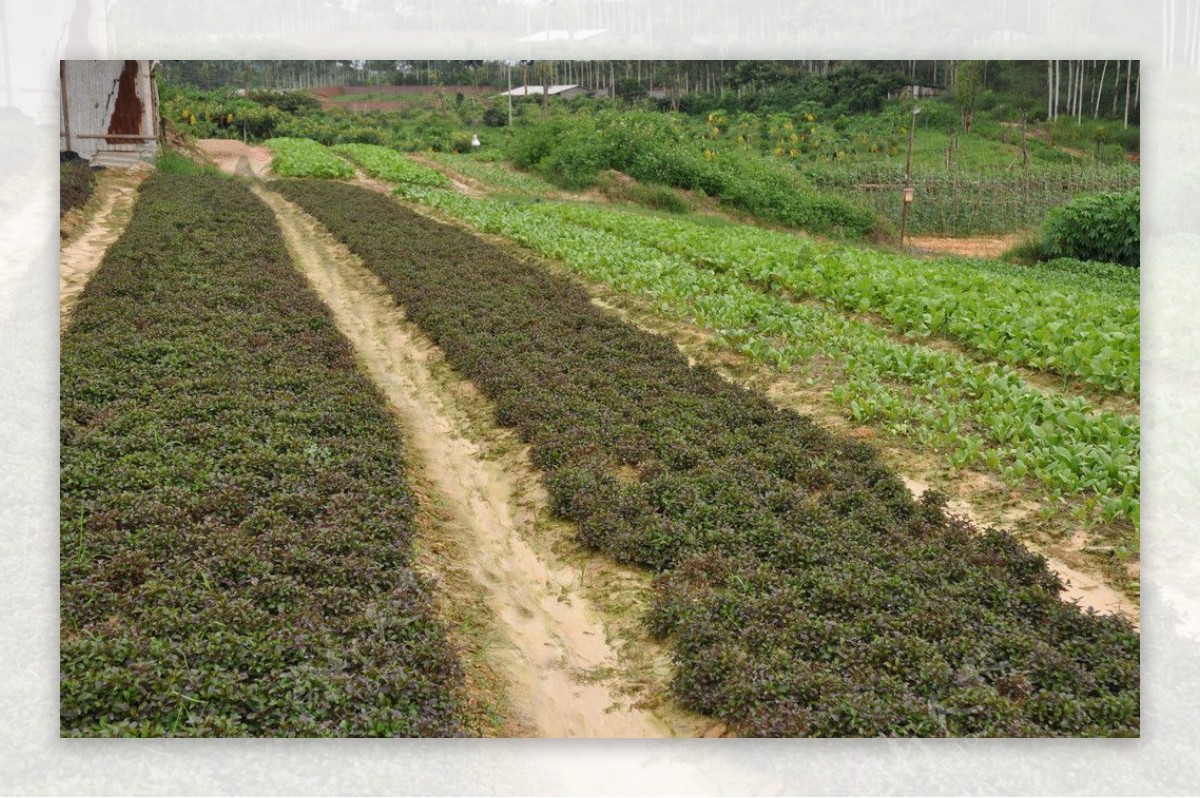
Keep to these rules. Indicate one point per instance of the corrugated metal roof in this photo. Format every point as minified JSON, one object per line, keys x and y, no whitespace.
{"x":525,"y":91}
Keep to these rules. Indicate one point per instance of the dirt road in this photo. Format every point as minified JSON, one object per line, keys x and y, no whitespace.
{"x":112,"y":202}
{"x":236,"y":158}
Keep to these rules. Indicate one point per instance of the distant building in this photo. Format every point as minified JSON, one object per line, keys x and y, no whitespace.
{"x":109,"y":111}
{"x":919,"y":91}
{"x":565,"y":91}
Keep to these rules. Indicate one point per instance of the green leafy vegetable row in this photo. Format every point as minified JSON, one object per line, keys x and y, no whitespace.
{"x":978,"y":413}
{"x":306,"y":158}
{"x":494,"y":175}
{"x":1079,"y":332}
{"x":802,"y":588}
{"x":388,"y":164}
{"x":236,"y":527}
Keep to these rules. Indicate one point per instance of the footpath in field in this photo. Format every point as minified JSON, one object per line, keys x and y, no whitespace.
{"x":104,"y":219}
{"x":802,"y":589}
{"x":565,"y":674}
{"x":236,"y":158}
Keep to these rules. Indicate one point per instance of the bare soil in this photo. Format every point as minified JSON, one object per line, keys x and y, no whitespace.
{"x":236,"y":158}
{"x":551,"y":634}
{"x":967,"y":246}
{"x":88,"y":236}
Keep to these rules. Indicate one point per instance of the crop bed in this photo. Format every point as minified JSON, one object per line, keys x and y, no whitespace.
{"x":236,"y":534}
{"x":494,"y":174}
{"x":977,"y":413}
{"x":1077,"y":328}
{"x":803,"y":589}
{"x":388,"y":164}
{"x":306,"y":158}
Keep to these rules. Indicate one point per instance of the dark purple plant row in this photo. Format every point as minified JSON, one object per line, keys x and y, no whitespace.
{"x":236,"y":525}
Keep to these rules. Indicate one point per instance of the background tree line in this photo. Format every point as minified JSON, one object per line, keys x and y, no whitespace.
{"x":1098,"y":89}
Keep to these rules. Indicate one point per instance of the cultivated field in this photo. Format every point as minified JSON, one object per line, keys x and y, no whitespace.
{"x":371,"y":444}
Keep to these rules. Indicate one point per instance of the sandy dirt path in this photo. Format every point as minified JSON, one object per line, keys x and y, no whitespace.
{"x":236,"y":158}
{"x":561,"y":667}
{"x":81,"y":256}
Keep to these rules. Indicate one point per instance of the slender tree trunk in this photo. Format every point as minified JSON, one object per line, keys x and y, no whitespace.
{"x":1128,"y":74}
{"x":1072,"y":76}
{"x":1079,"y":93}
{"x":1049,"y":89}
{"x":1078,"y":83}
{"x":1099,"y":90}
{"x":1116,"y":90}
{"x":1057,"y":86}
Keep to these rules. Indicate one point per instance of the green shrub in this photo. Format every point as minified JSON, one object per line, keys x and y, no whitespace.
{"x":1110,"y":153}
{"x":495,"y":117}
{"x":572,"y":152}
{"x":651,"y":195}
{"x":1104,"y":227}
{"x":290,"y":102}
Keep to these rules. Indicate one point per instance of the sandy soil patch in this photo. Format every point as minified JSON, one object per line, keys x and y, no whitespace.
{"x":563,"y":667}
{"x":106,"y":215}
{"x":967,"y":246}
{"x":236,"y":158}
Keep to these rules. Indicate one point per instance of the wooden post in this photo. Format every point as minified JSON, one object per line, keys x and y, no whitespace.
{"x":908,"y":184}
{"x":66,"y":114}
